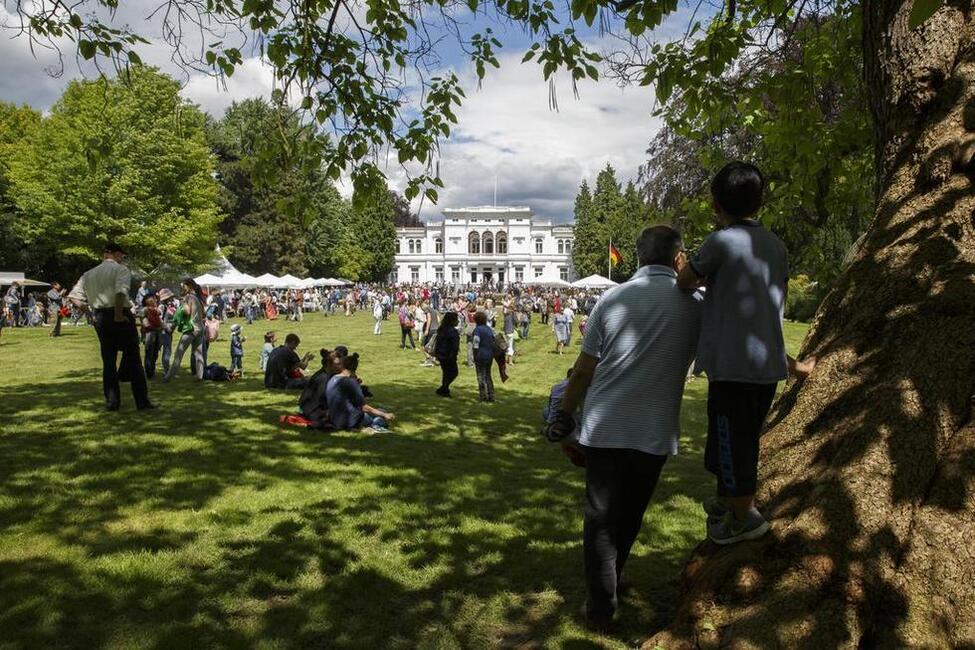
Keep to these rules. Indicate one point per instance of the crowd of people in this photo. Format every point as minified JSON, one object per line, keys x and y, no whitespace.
{"x":617,"y":413}
{"x":158,"y":327}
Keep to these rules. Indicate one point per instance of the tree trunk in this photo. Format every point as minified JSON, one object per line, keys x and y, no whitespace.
{"x":868,"y":468}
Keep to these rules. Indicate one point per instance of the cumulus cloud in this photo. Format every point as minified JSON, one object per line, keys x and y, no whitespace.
{"x":539,"y":156}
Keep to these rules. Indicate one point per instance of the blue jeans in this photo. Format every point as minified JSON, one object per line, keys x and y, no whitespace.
{"x":166,"y":345}
{"x":236,"y":362}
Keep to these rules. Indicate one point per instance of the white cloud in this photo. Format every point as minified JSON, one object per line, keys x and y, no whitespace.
{"x":539,"y":156}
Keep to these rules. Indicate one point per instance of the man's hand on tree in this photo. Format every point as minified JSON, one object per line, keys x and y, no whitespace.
{"x":801,"y":369}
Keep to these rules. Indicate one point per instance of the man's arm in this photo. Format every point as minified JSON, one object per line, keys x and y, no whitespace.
{"x":120,"y":299}
{"x":582,"y":374}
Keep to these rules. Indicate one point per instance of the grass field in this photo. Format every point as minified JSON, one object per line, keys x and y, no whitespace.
{"x":209,"y":525}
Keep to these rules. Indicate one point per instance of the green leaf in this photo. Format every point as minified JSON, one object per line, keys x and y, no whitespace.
{"x":922,"y":10}
{"x":134,"y":58}
{"x":86,"y":48}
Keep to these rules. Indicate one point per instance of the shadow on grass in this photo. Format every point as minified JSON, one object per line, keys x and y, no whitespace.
{"x":479,"y":520}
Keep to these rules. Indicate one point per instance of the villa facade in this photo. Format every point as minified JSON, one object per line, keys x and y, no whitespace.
{"x":484,"y":244}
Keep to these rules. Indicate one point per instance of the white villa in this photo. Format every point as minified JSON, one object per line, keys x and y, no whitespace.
{"x":484,"y":244}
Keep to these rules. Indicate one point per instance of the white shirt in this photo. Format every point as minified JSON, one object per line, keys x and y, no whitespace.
{"x":100,"y":285}
{"x":644,"y":333}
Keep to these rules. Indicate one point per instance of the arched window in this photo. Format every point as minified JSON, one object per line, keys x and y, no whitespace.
{"x":538,"y":245}
{"x":474,"y":244}
{"x":568,"y":245}
{"x":561,"y":246}
{"x":487,"y":243}
{"x":412,"y":246}
{"x":502,"y":240}
{"x":438,"y":245}
{"x":419,"y":245}
{"x":397,"y":245}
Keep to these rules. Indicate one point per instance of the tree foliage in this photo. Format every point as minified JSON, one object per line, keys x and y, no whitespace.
{"x":267,"y":228}
{"x":609,"y":214}
{"x":788,"y":97}
{"x":122,"y":159}
{"x":18,"y":124}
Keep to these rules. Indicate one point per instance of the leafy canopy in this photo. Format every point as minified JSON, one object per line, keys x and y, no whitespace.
{"x":123,"y":160}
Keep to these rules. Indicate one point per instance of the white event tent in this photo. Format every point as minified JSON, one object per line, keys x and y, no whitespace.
{"x":290,"y":281}
{"x":595,"y":281}
{"x":268,"y":280}
{"x":226,"y":275}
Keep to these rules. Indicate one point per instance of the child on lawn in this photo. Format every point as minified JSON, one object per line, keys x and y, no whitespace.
{"x":237,"y":349}
{"x":266,"y":349}
{"x":741,"y":346}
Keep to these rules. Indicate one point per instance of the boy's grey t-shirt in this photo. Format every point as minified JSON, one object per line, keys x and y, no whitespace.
{"x":747,"y":274}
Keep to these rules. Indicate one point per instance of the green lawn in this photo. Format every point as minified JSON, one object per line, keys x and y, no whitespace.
{"x":209,"y":525}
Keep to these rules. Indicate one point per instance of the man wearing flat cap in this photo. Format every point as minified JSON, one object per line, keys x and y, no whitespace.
{"x":106,"y":291}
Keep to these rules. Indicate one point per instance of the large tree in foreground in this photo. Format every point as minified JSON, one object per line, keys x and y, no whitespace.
{"x":868,"y":468}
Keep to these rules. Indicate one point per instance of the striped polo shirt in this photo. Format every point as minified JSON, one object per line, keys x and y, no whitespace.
{"x":644,"y":333}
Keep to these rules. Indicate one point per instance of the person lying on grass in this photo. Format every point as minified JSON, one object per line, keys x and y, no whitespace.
{"x":347,"y":406}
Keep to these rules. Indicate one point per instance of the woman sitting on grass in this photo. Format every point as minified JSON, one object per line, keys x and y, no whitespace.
{"x":347,"y":406}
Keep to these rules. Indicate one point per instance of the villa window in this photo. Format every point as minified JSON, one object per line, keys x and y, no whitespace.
{"x":502,"y":240}
{"x":487,"y":243}
{"x":412,"y":246}
{"x":561,"y":247}
{"x":538,"y":245}
{"x":474,"y":244}
{"x":438,"y":245}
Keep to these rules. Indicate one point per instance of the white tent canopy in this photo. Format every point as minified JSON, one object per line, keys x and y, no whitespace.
{"x":8,"y":278}
{"x":331,"y":282}
{"x":556,"y":284}
{"x":226,"y":274}
{"x":288,"y":280}
{"x":594,"y":281}
{"x":268,"y":280}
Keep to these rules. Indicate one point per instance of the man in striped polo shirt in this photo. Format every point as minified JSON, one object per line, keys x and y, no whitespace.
{"x":640,"y":340}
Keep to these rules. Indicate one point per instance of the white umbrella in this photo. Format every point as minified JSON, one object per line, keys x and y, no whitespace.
{"x":594,"y":281}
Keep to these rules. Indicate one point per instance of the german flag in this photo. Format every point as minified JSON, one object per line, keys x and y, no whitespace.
{"x":614,"y":255}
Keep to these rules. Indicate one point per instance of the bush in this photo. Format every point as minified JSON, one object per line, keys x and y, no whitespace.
{"x":803,"y":298}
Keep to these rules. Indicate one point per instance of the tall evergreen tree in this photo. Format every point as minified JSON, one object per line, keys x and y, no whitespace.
{"x":589,"y":249}
{"x":607,"y":209}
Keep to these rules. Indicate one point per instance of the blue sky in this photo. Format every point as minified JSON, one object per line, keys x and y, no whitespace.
{"x":507,"y":131}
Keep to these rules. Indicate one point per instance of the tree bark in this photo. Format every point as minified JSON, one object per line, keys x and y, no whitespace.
{"x":868,"y":468}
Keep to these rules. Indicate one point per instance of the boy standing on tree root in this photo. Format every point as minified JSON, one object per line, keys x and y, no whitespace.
{"x":741,"y":345}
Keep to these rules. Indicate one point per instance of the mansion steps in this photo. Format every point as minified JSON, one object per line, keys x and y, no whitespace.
{"x":484,"y":244}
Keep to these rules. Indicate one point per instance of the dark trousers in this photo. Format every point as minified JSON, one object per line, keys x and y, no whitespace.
{"x":404,"y":332}
{"x":152,"y":352}
{"x":619,"y":484}
{"x":449,"y":372}
{"x":114,"y":338}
